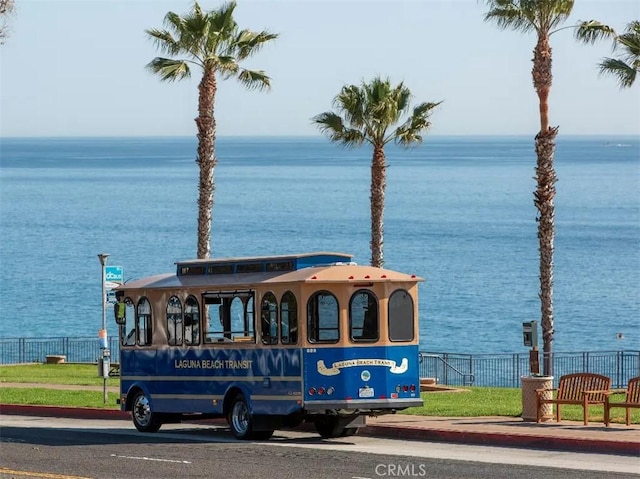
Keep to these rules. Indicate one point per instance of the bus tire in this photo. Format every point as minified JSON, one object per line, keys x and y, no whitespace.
{"x":262,"y":435}
{"x":143,"y":417}
{"x":239,"y":418}
{"x":329,"y":426}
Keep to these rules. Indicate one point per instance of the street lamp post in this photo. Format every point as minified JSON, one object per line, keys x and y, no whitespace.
{"x":104,"y":345}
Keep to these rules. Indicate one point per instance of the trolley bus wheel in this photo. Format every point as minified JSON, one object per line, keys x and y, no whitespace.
{"x":240,"y":421}
{"x":143,"y":418}
{"x":330,"y":427}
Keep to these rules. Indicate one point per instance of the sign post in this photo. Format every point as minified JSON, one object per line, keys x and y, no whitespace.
{"x":103,"y":365}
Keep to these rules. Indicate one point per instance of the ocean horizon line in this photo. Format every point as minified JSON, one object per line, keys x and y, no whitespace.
{"x":312,"y":137}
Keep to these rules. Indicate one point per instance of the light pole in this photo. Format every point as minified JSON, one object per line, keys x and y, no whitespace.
{"x":104,"y":345}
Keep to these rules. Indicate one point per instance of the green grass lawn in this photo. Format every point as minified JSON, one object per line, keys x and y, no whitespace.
{"x":58,"y":397}
{"x":72,"y":373}
{"x":465,"y":402}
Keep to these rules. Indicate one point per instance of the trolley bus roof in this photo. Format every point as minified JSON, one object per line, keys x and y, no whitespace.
{"x":319,"y":274}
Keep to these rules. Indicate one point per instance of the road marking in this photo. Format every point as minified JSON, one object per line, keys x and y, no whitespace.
{"x":4,"y":470}
{"x":150,"y":459}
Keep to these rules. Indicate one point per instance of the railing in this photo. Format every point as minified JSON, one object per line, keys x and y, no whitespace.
{"x":495,"y":370}
{"x":440,"y":363}
{"x":35,"y":350}
{"x":505,"y":370}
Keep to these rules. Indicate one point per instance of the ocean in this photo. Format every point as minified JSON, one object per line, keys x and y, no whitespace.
{"x":459,"y":213}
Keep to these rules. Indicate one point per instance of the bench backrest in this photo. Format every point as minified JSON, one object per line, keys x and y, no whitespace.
{"x":633,"y":391}
{"x":571,"y":386}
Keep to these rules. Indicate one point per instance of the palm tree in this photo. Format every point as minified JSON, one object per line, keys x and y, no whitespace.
{"x":626,"y":67}
{"x":542,"y":17}
{"x":7,"y":8}
{"x":213,"y":41}
{"x":368,"y":113}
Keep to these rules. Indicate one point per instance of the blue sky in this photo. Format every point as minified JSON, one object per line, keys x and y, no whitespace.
{"x":76,"y":68}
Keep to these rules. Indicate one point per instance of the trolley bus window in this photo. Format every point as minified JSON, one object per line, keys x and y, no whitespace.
{"x":269,"y":319}
{"x":363,"y":316}
{"x":227,"y":316}
{"x":191,"y":321}
{"x":242,"y":319}
{"x":215,"y":320}
{"x":128,"y":329}
{"x":288,"y":319}
{"x":143,"y":322}
{"x":322,"y":318}
{"x":401,"y":316}
{"x":174,"y":321}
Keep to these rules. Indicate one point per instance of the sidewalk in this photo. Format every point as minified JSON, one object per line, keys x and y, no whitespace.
{"x":490,"y":431}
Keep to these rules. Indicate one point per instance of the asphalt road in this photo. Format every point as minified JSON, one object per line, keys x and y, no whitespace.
{"x":36,"y":447}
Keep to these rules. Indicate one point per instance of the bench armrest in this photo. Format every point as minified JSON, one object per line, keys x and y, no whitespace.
{"x":618,"y":391}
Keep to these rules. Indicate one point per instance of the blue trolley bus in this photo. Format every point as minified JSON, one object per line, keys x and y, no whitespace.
{"x":269,"y":343}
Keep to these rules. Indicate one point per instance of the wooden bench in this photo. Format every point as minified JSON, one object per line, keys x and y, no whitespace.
{"x":631,"y":400}
{"x":582,"y":389}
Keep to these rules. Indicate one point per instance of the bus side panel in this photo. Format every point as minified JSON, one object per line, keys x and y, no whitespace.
{"x":197,"y":380}
{"x":362,"y":373}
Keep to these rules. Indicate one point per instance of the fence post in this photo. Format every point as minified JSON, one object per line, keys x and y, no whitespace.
{"x":445,"y":370}
{"x":618,"y":369}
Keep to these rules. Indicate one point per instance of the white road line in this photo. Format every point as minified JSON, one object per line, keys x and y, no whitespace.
{"x":150,"y":459}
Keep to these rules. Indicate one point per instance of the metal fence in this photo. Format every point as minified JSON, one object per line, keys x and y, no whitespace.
{"x":35,"y":350}
{"x":505,"y":370}
{"x":495,"y":370}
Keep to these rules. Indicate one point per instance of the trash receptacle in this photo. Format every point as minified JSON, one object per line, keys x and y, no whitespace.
{"x":529,"y":386}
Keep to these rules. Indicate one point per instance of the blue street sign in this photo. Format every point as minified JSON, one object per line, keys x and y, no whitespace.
{"x":114,"y":274}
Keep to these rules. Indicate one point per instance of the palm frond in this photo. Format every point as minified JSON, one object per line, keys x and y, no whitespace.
{"x":169,"y":69}
{"x":591,"y":31}
{"x":332,"y":125}
{"x":227,"y":65}
{"x":254,"y":79}
{"x":625,"y":74}
{"x":164,"y":41}
{"x":221,"y":20}
{"x":211,"y":40}
{"x":630,"y":40}
{"x":329,"y":122}
{"x":353,"y":137}
{"x":507,"y":14}
{"x":186,"y":37}
{"x":351,"y":102}
{"x":410,"y":131}
{"x":626,"y":67}
{"x":549,"y":13}
{"x":366,"y":112}
{"x":380,"y":107}
{"x":248,"y":42}
{"x":541,"y":16}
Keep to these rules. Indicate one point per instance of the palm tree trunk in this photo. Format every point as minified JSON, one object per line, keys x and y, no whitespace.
{"x":544,"y":202}
{"x":378,"y":186}
{"x":544,"y":195}
{"x":542,"y":78}
{"x":206,"y":160}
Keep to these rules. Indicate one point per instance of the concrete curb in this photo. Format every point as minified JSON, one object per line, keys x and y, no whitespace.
{"x":59,"y":411}
{"x":506,"y":440}
{"x":391,"y":432}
